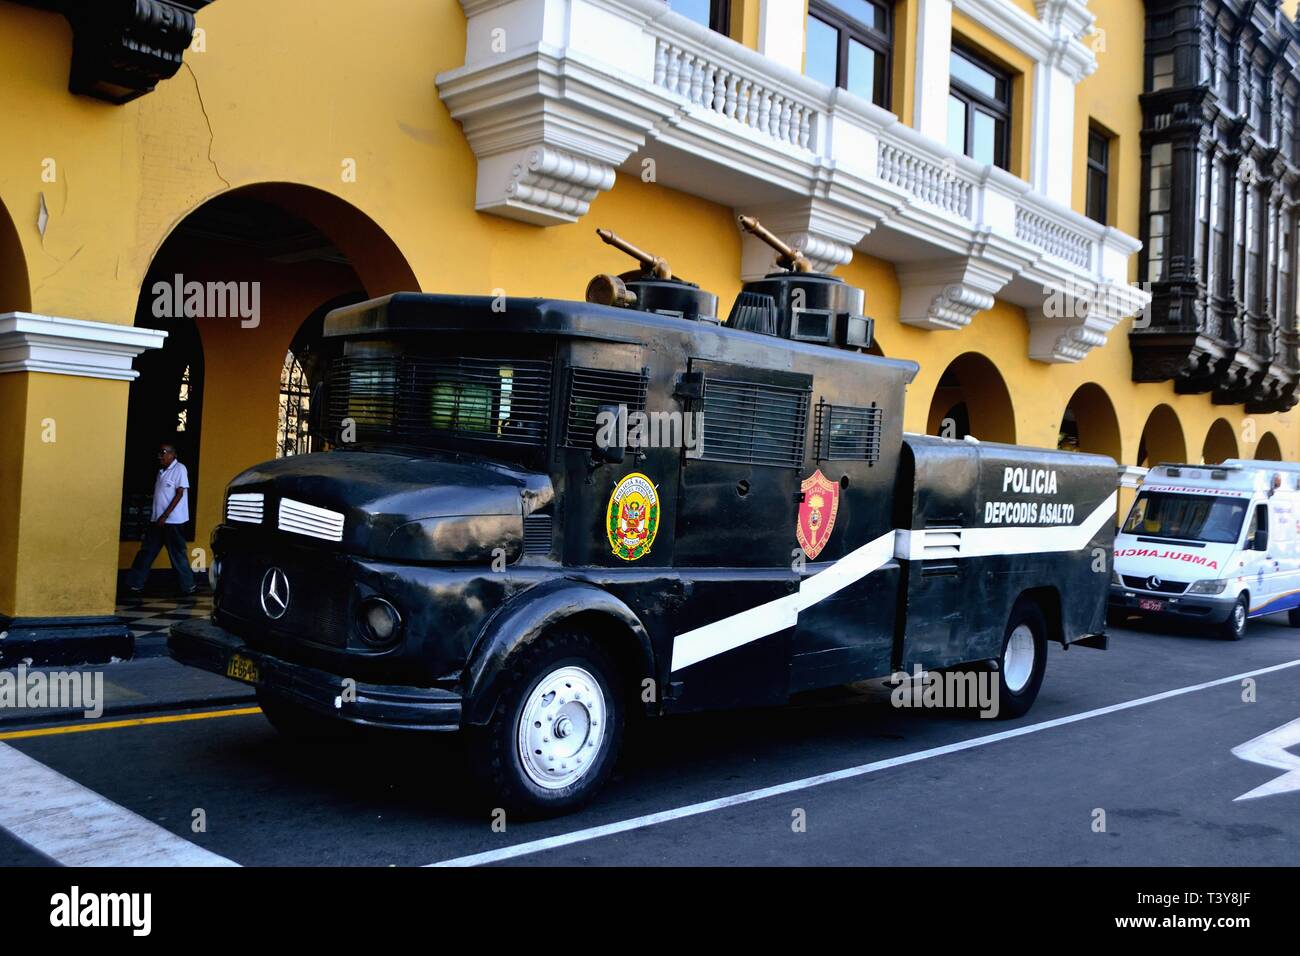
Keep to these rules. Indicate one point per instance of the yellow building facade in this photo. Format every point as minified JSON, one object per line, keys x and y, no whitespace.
{"x":340,"y":151}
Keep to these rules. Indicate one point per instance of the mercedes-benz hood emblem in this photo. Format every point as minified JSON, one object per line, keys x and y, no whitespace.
{"x":275,"y":593}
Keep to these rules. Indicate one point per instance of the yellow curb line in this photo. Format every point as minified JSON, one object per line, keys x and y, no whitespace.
{"x":135,"y":722}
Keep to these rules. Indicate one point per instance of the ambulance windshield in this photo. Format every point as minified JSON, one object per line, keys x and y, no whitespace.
{"x":1162,"y":514}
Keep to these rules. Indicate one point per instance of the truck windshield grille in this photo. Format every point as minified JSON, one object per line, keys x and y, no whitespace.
{"x":415,"y":399}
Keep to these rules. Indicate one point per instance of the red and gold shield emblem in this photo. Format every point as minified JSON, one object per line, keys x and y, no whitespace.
{"x":821,"y":500}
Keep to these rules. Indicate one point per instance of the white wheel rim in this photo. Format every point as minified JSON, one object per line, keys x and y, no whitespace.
{"x":561,"y":728}
{"x":1018,"y":658}
{"x":1239,"y":615}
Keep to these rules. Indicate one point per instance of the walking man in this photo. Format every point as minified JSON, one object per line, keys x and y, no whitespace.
{"x":171,"y":509}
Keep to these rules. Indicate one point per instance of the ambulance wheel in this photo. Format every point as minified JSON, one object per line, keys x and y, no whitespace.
{"x":1293,"y":617}
{"x":1116,"y":618}
{"x":1234,"y":628}
{"x":298,"y":723}
{"x":1023,"y":660}
{"x":554,"y":737}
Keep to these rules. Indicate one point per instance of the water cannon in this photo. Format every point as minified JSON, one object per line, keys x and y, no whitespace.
{"x":797,"y":303}
{"x":787,"y":256}
{"x":650,"y":288}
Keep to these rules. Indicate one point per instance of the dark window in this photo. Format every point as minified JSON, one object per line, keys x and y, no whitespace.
{"x":1158,"y":195}
{"x":1162,"y":72}
{"x":750,"y":423}
{"x":1223,"y":68}
{"x":1098,"y":175}
{"x":1258,"y":529}
{"x":848,"y":45}
{"x":419,"y":400}
{"x":714,"y":14}
{"x":590,"y":388}
{"x":848,"y":432}
{"x":979,"y":109}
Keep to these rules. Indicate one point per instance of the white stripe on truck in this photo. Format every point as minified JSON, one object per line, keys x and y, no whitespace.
{"x":750,"y":625}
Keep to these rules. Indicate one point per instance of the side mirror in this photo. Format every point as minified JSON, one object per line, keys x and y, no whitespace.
{"x":1261,"y":540}
{"x":611,"y":429}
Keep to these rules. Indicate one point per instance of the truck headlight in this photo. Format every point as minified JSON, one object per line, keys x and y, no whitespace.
{"x":378,"y":621}
{"x":1208,"y":587}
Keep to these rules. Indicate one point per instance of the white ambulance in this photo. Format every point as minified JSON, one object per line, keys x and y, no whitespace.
{"x":1210,"y":544}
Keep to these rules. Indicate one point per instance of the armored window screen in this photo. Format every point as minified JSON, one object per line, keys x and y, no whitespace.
{"x":416,"y":399}
{"x":750,"y":423}
{"x":589,"y":388}
{"x":848,"y":432}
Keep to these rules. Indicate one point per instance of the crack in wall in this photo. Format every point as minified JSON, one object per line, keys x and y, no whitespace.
{"x":208,"y":120}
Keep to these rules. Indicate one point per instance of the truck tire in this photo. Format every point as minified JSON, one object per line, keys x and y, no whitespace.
{"x":1023,"y":660}
{"x":1116,"y":618}
{"x":298,"y":723}
{"x":1293,"y":617}
{"x":1234,"y":628}
{"x":554,"y":737}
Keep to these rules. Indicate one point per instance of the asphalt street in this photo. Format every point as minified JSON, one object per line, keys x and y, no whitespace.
{"x":839,"y":777}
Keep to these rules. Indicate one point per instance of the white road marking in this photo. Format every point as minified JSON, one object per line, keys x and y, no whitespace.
{"x":1270,"y":749}
{"x":750,"y":796}
{"x":75,"y":826}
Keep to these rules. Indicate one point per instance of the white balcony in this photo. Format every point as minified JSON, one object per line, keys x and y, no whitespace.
{"x":555,"y":95}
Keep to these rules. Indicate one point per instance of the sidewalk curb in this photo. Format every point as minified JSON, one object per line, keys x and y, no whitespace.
{"x":66,"y":641}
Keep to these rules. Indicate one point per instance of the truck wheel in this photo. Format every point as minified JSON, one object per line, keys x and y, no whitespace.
{"x":554,"y":737}
{"x":1293,"y":617}
{"x":1234,"y":628}
{"x":1023,"y":661}
{"x":298,"y":723}
{"x":1116,"y":618}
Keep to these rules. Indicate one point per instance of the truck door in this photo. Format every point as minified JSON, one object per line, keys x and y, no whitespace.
{"x":1261,"y":566}
{"x":1282,"y":545}
{"x":736,"y":508}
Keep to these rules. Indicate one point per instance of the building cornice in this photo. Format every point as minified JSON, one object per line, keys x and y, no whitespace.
{"x":46,"y":343}
{"x":1054,"y":37}
{"x":555,"y":96}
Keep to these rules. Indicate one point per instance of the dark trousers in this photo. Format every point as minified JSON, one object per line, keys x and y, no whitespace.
{"x":155,"y":539}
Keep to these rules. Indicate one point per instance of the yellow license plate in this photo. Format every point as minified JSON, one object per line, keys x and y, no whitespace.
{"x":241,"y":668}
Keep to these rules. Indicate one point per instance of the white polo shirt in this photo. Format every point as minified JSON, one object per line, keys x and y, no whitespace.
{"x":164,"y":490}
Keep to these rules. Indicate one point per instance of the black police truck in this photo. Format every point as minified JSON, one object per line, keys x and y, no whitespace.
{"x":537,"y":518}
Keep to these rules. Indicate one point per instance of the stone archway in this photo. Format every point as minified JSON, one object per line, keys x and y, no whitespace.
{"x":1162,"y":438}
{"x":972,"y":399}
{"x":1220,"y":443}
{"x":1089,"y":423}
{"x":252,"y":272}
{"x":1268,"y":448}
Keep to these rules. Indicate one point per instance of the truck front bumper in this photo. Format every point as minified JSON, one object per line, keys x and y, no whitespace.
{"x":1211,"y":608}
{"x":200,"y":643}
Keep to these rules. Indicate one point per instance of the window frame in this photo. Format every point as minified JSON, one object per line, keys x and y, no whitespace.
{"x":1102,"y":168}
{"x":847,"y":28}
{"x":974,"y":100}
{"x":1149,"y":212}
{"x":719,"y":16}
